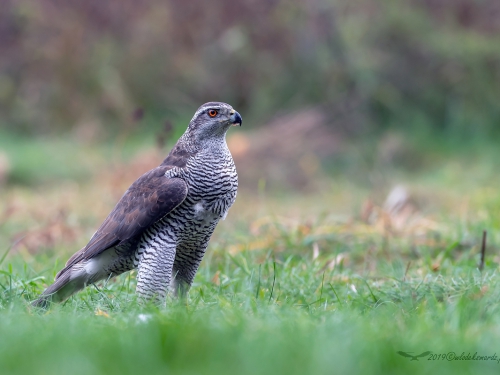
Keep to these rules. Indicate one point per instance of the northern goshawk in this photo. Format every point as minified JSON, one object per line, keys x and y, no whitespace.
{"x":164,"y":221}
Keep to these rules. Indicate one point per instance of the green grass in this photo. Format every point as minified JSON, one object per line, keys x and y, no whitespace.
{"x":282,"y":315}
{"x":267,"y":313}
{"x":260,"y":303}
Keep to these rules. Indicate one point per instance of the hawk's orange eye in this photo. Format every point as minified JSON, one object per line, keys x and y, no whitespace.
{"x":212,"y":113}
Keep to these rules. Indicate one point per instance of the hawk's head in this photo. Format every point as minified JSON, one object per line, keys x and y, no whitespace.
{"x":212,"y":120}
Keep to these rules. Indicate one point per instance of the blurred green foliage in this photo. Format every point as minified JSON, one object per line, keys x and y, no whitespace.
{"x":88,"y":66}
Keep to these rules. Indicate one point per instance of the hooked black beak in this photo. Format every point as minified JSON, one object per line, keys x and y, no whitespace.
{"x":235,"y":119}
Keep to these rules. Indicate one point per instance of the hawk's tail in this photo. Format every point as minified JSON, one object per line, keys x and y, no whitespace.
{"x":65,"y":285}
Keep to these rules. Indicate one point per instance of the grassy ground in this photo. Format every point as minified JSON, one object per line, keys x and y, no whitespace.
{"x":323,"y":283}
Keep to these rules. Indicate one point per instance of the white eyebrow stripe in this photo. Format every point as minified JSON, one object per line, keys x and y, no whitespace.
{"x":204,"y":108}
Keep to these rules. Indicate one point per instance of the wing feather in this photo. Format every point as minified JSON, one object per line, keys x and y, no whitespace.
{"x":149,"y":198}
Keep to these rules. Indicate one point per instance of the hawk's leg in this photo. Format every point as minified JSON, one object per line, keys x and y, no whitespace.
{"x":185,"y":267}
{"x":155,"y":269}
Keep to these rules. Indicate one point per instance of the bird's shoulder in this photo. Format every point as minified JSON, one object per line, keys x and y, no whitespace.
{"x":147,"y":200}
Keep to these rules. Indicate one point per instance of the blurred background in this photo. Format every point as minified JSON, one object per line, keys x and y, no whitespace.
{"x":340,"y":98}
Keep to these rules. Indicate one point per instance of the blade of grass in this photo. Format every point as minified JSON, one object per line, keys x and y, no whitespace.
{"x":274,"y":281}
{"x":9,"y":249}
{"x":335,"y":292}
{"x":258,"y":284}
